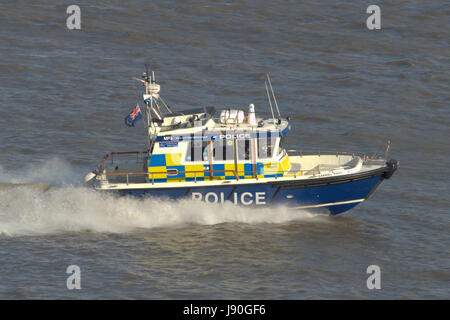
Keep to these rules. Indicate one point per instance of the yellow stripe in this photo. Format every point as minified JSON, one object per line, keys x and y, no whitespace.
{"x":173,"y":159}
{"x":161,"y":175}
{"x":176,"y":180}
{"x":194,"y":167}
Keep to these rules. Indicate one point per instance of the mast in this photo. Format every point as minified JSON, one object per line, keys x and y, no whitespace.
{"x":270,"y":102}
{"x":150,"y":96}
{"x":274,"y":99}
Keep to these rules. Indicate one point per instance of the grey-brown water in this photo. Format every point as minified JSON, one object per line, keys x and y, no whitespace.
{"x":64,"y":95}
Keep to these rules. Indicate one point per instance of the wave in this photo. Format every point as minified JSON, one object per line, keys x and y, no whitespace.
{"x":55,"y":171}
{"x":40,"y":208}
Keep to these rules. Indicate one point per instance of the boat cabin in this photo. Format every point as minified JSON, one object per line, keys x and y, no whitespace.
{"x":191,"y":145}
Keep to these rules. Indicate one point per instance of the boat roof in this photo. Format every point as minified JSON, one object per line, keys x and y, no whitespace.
{"x":212,"y":130}
{"x":187,"y":112}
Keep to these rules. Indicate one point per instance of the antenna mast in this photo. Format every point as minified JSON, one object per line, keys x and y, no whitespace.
{"x":274,"y":99}
{"x":151,"y":92}
{"x":270,"y":102}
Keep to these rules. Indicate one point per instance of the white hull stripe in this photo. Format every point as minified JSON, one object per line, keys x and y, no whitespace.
{"x":330,"y":204}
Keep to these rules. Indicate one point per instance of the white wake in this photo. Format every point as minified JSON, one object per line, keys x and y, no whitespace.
{"x":49,"y":199}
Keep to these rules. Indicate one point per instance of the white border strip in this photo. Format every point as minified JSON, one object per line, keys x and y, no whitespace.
{"x":329,"y":204}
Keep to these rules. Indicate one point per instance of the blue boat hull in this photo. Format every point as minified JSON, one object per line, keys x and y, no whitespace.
{"x":335,"y":194}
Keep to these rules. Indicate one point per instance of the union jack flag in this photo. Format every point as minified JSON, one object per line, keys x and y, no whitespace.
{"x":134,"y":116}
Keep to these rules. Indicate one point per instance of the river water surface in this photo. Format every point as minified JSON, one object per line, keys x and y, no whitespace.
{"x":64,"y":95}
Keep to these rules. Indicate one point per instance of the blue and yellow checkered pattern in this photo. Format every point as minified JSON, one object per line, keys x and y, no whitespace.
{"x":161,"y":165}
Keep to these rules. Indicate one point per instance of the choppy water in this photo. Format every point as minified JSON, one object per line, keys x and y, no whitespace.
{"x":64,"y":94}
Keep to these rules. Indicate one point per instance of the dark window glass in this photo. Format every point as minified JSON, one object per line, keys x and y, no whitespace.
{"x":197,"y":151}
{"x":282,"y":144}
{"x":243,"y":147}
{"x":265,"y":147}
{"x":223,"y":150}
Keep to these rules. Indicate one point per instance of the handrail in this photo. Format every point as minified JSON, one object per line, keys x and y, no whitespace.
{"x":364,"y":158}
{"x":128,"y":173}
{"x":179,"y":172}
{"x":319,"y":152}
{"x":309,"y":172}
{"x":111,"y":155}
{"x":312,"y":152}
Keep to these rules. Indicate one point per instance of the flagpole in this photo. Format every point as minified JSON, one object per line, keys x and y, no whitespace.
{"x":151,"y":92}
{"x":148,"y":96}
{"x":150,"y":125}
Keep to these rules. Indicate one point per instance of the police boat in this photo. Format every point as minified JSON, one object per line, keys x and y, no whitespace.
{"x":235,"y":157}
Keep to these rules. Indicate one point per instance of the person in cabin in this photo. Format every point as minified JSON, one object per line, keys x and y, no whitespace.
{"x":247,"y":151}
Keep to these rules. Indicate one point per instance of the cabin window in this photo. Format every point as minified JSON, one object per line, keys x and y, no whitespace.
{"x":265,"y":147}
{"x":197,"y":151}
{"x":243,"y":149}
{"x":223,"y":150}
{"x":282,"y":144}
